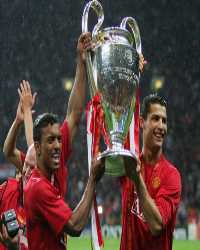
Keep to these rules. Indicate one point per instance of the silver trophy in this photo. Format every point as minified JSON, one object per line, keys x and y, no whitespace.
{"x":113,"y":73}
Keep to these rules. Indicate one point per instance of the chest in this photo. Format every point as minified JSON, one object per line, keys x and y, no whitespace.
{"x":153,"y":178}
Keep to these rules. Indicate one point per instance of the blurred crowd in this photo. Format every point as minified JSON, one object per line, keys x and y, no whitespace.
{"x":38,"y":43}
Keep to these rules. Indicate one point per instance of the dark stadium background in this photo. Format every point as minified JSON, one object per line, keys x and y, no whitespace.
{"x":38,"y":42}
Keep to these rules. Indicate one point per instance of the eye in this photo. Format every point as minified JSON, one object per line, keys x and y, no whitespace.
{"x":50,"y":140}
{"x":164,"y":120}
{"x":155,"y":118}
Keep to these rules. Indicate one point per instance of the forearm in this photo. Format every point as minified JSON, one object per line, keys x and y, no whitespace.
{"x":150,"y":210}
{"x":28,"y":124}
{"x":80,"y":214}
{"x":9,"y":148}
{"x":77,"y":97}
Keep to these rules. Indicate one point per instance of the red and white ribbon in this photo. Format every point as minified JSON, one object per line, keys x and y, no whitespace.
{"x":94,"y":113}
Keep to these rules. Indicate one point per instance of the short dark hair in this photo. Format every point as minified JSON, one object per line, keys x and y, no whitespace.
{"x":151,"y":99}
{"x":41,"y":122}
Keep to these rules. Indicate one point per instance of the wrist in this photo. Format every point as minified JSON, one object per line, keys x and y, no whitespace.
{"x":80,"y":59}
{"x":27,"y":109}
{"x":18,"y":121}
{"x":92,"y":179}
{"x":137,"y":179}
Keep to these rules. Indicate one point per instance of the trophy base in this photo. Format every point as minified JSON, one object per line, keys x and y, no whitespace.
{"x":114,"y":161}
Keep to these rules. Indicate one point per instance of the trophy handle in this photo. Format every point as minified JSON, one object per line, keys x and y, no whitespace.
{"x":96,"y":6}
{"x":135,"y":30}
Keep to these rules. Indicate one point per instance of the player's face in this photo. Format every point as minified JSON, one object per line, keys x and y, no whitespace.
{"x":155,"y":126}
{"x":50,"y":147}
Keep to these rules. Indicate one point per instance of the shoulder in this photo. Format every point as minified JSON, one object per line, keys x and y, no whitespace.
{"x":11,"y":184}
{"x":171,"y":174}
{"x":64,"y":128}
{"x":169,"y":167}
{"x":38,"y":188}
{"x":3,"y":186}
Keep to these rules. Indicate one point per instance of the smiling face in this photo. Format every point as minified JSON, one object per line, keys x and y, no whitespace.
{"x":154,"y":127}
{"x":48,"y":150}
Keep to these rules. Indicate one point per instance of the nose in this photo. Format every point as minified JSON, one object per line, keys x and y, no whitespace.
{"x":161,"y":124}
{"x":57,"y":144}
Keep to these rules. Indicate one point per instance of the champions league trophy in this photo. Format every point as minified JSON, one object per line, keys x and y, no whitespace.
{"x":113,"y":73}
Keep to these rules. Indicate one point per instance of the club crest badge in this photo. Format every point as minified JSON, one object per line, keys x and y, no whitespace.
{"x":156,"y":182}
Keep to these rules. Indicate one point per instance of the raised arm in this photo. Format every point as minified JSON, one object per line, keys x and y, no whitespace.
{"x":27,"y":102}
{"x":10,"y":151}
{"x":77,"y":97}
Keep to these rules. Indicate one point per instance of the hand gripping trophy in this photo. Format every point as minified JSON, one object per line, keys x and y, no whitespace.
{"x":113,"y":75}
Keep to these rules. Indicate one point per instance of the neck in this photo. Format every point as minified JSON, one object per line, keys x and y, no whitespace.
{"x":151,"y":156}
{"x":44,"y":171}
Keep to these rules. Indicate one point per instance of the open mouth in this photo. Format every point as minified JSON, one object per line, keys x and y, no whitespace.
{"x":56,"y":158}
{"x":159,"y":136}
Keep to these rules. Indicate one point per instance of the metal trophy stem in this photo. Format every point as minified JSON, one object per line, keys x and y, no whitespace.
{"x":113,"y":72}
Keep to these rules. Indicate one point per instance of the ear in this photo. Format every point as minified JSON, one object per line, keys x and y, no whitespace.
{"x":141,"y":122}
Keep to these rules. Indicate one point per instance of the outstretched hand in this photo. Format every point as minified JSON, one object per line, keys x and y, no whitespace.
{"x":132,"y":167}
{"x":26,"y":98}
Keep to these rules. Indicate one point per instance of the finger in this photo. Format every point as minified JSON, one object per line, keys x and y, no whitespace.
{"x":28,"y":87}
{"x":25,"y":86}
{"x":85,"y":35}
{"x":4,"y":232}
{"x":22,"y":88}
{"x":34,"y":96}
{"x":87,"y":46}
{"x":19,"y":92}
{"x":1,"y":237}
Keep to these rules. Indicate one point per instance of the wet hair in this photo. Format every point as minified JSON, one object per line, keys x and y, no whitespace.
{"x":151,"y":99}
{"x":41,"y":122}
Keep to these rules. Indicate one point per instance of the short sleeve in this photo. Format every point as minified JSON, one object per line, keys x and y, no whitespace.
{"x":49,"y":205}
{"x":168,"y":197}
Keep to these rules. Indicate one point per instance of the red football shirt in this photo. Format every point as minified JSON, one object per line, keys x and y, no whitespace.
{"x":11,"y":198}
{"x":164,"y":186}
{"x":46,"y":213}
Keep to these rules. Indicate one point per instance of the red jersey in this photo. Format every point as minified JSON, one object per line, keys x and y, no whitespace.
{"x":46,"y":213}
{"x":54,"y":218}
{"x":11,"y":197}
{"x":163,"y":183}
